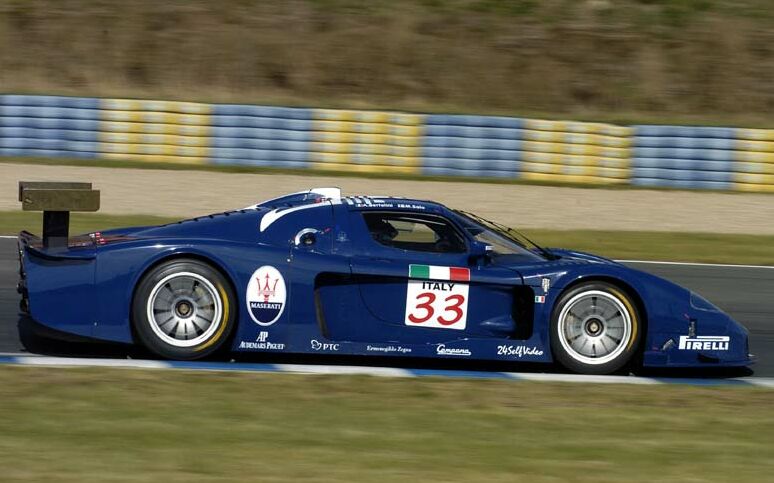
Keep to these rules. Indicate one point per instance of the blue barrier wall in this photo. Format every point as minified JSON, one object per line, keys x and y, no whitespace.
{"x":479,"y":146}
{"x":48,"y":126}
{"x":260,"y":136}
{"x":683,"y":157}
{"x":387,"y":142}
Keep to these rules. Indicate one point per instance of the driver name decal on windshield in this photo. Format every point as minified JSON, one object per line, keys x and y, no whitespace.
{"x":436,"y":297}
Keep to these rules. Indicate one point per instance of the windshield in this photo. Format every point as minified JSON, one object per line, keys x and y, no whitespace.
{"x":504,"y":240}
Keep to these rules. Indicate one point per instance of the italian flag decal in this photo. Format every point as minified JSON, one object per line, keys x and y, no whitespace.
{"x":437,"y":297}
{"x":433,"y":272}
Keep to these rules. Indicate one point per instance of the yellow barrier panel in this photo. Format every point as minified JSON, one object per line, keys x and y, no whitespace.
{"x":155,"y":149}
{"x":573,"y":170}
{"x":152,"y":128}
{"x":754,"y":178}
{"x":156,"y":117}
{"x":154,"y":158}
{"x":368,"y":117}
{"x":374,"y":160}
{"x":578,"y":149}
{"x":364,"y":168}
{"x":575,"y":138}
{"x":755,"y":156}
{"x":366,"y":128}
{"x":763,"y":168}
{"x":744,"y":145}
{"x":575,"y":160}
{"x":366,"y":141}
{"x":755,"y":134}
{"x":350,"y":137}
{"x":576,"y":152}
{"x":157,"y":131}
{"x":156,"y":106}
{"x":357,"y":148}
{"x":578,"y":127}
{"x":137,"y":138}
{"x":754,"y":160}
{"x":754,"y":188}
{"x":561,"y":178}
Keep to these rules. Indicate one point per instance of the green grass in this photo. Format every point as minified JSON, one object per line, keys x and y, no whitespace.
{"x":75,"y":425}
{"x":642,"y":245}
{"x":12,"y":222}
{"x":652,"y":245}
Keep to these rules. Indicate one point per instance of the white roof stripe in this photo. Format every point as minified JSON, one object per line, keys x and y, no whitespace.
{"x":330,"y":193}
{"x":278,"y":213}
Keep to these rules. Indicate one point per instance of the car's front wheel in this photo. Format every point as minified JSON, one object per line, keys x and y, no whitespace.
{"x":183,"y":309}
{"x":595,"y":329}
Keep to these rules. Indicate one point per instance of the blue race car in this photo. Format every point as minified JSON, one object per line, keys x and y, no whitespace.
{"x":316,"y":272}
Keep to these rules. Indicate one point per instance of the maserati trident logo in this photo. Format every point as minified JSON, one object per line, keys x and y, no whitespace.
{"x":267,"y":290}
{"x":266,"y":295}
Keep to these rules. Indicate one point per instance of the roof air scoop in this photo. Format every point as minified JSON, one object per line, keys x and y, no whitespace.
{"x":328,"y":193}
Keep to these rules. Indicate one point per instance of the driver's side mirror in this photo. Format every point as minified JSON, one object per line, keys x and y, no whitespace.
{"x":479,"y":251}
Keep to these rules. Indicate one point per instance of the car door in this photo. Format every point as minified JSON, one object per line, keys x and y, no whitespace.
{"x":418,"y":282}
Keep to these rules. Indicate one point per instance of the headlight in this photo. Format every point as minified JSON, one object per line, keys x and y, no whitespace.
{"x":700,"y":303}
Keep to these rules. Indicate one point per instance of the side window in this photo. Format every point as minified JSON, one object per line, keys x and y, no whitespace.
{"x":421,"y":233}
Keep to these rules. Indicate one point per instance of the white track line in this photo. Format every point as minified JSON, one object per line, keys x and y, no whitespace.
{"x":9,"y":237}
{"x":761,"y":381}
{"x":544,"y":377}
{"x":83,"y":362}
{"x":343,"y":370}
{"x":693,"y":264}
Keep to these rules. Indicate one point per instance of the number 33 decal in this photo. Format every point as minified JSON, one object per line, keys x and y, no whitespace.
{"x":440,"y":308}
{"x":456,"y":301}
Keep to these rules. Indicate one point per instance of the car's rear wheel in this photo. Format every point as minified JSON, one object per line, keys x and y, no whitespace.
{"x":183,"y":309}
{"x":595,"y":329}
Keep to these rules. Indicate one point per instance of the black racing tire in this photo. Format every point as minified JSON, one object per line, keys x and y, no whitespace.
{"x":183,"y":309}
{"x":595,"y":329}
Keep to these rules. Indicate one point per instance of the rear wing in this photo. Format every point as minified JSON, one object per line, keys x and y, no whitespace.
{"x":56,"y":200}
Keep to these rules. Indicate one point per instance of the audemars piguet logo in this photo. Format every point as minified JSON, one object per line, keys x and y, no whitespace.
{"x":266,"y":295}
{"x":262,"y":343}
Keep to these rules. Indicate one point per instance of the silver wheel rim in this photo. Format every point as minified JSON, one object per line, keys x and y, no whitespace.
{"x":594,"y":327}
{"x":184,"y":309}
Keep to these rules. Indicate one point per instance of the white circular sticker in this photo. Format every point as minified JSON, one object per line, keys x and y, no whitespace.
{"x":266,"y":295}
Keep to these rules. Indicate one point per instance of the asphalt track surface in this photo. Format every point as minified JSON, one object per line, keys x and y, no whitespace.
{"x":744,"y":292}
